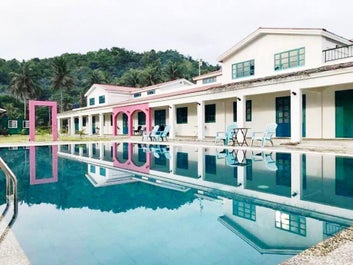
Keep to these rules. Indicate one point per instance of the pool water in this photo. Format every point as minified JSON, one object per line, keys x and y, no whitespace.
{"x":126,"y":203}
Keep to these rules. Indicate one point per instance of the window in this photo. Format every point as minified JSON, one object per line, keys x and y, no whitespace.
{"x":84,"y":121}
{"x":91,"y":101}
{"x":136,"y":95}
{"x":141,"y":118}
{"x":209,"y":80}
{"x":291,"y":222}
{"x":102,"y":171}
{"x":182,"y":115}
{"x":210,"y":113}
{"x":151,"y":92}
{"x":101,"y":99}
{"x":235,"y":111}
{"x":182,"y":160}
{"x":248,"y":110}
{"x":244,"y":210}
{"x":12,"y":124}
{"x":243,"y":69}
{"x":210,"y":164}
{"x":25,"y":124}
{"x":93,"y":169}
{"x":289,"y":59}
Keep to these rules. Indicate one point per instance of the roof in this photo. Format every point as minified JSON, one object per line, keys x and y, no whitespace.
{"x":159,"y":85}
{"x":289,"y":31}
{"x":112,"y":89}
{"x":209,"y":74}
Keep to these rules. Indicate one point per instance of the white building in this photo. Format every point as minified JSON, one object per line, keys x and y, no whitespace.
{"x":302,"y":79}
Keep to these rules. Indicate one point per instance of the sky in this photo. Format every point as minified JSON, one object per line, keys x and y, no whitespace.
{"x":202,"y":29}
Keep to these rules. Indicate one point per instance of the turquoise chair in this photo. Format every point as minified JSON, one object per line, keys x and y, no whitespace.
{"x":163,"y":135}
{"x":266,"y":135}
{"x":226,"y":136}
{"x":150,"y":135}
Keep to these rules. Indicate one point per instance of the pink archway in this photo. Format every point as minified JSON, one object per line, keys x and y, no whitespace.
{"x":129,"y":111}
{"x":32,"y":118}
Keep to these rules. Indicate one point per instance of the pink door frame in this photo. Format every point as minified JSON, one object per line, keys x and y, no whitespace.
{"x":32,"y":118}
{"x":129,"y":111}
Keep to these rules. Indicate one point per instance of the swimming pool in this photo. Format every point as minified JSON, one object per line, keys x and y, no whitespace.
{"x":128,"y":203}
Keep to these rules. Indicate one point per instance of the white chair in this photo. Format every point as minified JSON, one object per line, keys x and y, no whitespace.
{"x":266,"y":135}
{"x":148,"y":135}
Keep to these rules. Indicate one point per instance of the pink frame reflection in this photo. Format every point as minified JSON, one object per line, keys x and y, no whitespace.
{"x":33,"y":168}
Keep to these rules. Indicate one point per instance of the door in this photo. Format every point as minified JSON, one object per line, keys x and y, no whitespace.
{"x":283,"y":116}
{"x":344,"y":113}
{"x":160,"y":117}
{"x":125,"y":124}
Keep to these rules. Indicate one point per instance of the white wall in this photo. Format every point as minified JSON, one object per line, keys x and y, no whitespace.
{"x":263,"y":50}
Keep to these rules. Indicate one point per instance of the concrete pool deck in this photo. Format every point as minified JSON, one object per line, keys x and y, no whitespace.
{"x":334,"y":251}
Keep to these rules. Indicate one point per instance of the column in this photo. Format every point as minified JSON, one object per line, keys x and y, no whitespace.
{"x":241,"y":179}
{"x":80,"y":127}
{"x":241,"y":111}
{"x":101,"y":124}
{"x":172,"y":121}
{"x":72,"y":125}
{"x":296,"y":115}
{"x":89,"y":125}
{"x":201,"y":120}
{"x":296,"y":175}
{"x":200,"y":161}
{"x":59,"y":122}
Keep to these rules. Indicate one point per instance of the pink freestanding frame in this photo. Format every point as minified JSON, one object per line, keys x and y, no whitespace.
{"x":32,"y":118}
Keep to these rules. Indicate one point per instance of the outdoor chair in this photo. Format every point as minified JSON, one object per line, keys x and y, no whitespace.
{"x":149,"y":135}
{"x":226,"y":136}
{"x":270,"y":163}
{"x":163,"y":135}
{"x":138,"y":131}
{"x":264,"y":136}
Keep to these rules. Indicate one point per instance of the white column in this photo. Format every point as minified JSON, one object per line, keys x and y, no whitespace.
{"x":90,"y":150}
{"x":89,"y":125}
{"x":80,"y":127}
{"x":101,"y":124}
{"x":172,"y":121}
{"x":241,"y":177}
{"x":241,"y":111}
{"x":200,"y":161}
{"x":201,"y":120}
{"x":101,"y":150}
{"x":296,"y":175}
{"x":171,"y":159}
{"x":59,"y":125}
{"x":296,"y":115}
{"x":72,"y":125}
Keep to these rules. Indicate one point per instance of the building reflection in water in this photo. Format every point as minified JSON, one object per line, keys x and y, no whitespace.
{"x":277,"y":202}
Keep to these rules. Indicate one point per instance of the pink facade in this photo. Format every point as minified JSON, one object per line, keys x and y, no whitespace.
{"x":32,"y":118}
{"x":130,"y":111}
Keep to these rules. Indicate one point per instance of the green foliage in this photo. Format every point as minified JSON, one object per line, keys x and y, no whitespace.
{"x":69,"y":76}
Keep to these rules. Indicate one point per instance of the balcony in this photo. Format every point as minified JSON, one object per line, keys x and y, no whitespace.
{"x":338,"y":53}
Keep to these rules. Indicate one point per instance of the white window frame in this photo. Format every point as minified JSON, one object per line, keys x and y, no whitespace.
{"x":12,"y":124}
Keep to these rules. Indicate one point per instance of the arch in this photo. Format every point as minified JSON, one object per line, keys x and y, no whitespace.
{"x":129,"y":164}
{"x":32,"y":118}
{"x":129,"y":111}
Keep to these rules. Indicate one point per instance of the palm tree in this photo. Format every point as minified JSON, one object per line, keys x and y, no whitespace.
{"x":24,"y":85}
{"x":62,"y":78}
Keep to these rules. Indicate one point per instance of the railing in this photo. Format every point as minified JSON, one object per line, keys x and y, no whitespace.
{"x":11,"y":197}
{"x":338,"y":53}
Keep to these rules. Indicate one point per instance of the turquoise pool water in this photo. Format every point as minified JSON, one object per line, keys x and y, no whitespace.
{"x":125,"y":203}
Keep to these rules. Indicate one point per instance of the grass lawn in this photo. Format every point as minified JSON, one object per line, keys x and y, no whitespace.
{"x":12,"y":139}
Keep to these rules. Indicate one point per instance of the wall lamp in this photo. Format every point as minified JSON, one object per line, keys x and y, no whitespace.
{"x":238,"y":99}
{"x":198,"y":103}
{"x":170,"y":107}
{"x":294,"y":194}
{"x":294,"y":93}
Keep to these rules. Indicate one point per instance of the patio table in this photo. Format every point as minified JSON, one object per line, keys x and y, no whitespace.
{"x":242,"y":132}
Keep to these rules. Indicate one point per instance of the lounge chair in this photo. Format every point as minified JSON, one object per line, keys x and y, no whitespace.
{"x":264,"y":136}
{"x":226,"y":136}
{"x":163,"y":135}
{"x":150,"y":135}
